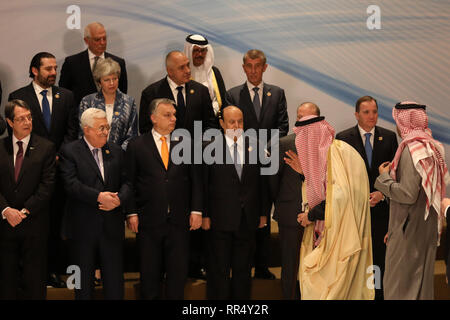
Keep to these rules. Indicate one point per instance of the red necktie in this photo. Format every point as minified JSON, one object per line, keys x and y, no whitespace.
{"x":19,"y":160}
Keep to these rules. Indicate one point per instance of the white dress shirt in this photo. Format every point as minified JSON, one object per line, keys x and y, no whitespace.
{"x":100,"y":157}
{"x":252,"y":93}
{"x":25,"y":142}
{"x":173,"y":86}
{"x":240,"y":147}
{"x":362,"y":132}
{"x":38,"y":89}
{"x":92,"y":58}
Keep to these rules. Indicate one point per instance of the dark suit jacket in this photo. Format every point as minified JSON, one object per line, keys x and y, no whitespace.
{"x":34,"y":187}
{"x":156,"y":189}
{"x":64,"y":123}
{"x":2,"y":125}
{"x":83,"y":182}
{"x":274,"y":113}
{"x":384,"y":148}
{"x":286,"y":187}
{"x":76,"y":75}
{"x":227,"y":198}
{"x":198,"y":105}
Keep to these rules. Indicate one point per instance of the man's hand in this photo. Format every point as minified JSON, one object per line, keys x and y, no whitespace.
{"x":386,"y":239}
{"x":195,"y":221}
{"x":13,"y":216}
{"x":302,"y":218}
{"x":206,"y":223}
{"x":375,"y":197}
{"x":262,"y":222}
{"x":108,"y":201}
{"x":133,"y":223}
{"x":292,"y":160}
{"x":384,"y":167}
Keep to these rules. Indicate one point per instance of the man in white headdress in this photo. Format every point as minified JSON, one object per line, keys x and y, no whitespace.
{"x":201,"y":55}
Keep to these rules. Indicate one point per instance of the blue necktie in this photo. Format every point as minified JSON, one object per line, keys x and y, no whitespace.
{"x":237,"y":161}
{"x":181,"y":107}
{"x":95,"y":154}
{"x":368,"y":147}
{"x":46,"y":109}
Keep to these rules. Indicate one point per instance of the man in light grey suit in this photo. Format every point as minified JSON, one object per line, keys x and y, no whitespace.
{"x":264,"y":107}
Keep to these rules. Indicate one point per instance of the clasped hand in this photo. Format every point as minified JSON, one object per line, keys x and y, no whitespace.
{"x":108,"y":201}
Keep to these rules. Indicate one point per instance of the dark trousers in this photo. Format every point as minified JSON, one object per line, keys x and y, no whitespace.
{"x":262,"y":246}
{"x":57,"y":248}
{"x":379,"y":217}
{"x":84,"y":253}
{"x":231,"y":250}
{"x":23,"y":265}
{"x":290,"y":242}
{"x":163,"y":247}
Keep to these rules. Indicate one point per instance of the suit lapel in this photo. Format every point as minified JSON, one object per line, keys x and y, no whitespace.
{"x":26,"y":164}
{"x":35,"y":107}
{"x":86,"y":68}
{"x":84,"y":150}
{"x":107,"y":159}
{"x":56,"y":108}
{"x":245,"y":102}
{"x":154,"y":150}
{"x":9,"y":150}
{"x":266,"y":101}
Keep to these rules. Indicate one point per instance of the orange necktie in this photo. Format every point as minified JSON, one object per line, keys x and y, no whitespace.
{"x":164,"y":152}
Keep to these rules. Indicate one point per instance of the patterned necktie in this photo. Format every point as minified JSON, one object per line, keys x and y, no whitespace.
{"x":368,"y":148}
{"x":164,"y":152}
{"x":19,"y":160}
{"x":256,"y":103}
{"x":181,"y":107}
{"x":46,"y":109}
{"x":237,"y":160}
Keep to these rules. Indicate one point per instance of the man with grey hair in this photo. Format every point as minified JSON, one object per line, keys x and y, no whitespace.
{"x":93,"y":172}
{"x":264,"y":107}
{"x":193,"y":102}
{"x":77,"y":70}
{"x":286,"y":193}
{"x":167,"y":204}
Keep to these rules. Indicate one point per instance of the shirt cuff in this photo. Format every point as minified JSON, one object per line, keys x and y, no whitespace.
{"x":446,"y":211}
{"x":196,"y":212}
{"x":3,"y":215}
{"x":131,"y":215}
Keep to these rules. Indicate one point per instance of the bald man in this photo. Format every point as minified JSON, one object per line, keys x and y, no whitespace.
{"x":193,"y":102}
{"x":77,"y":70}
{"x":286,"y":193}
{"x":234,"y":195}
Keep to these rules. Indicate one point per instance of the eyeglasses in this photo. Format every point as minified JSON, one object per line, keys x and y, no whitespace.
{"x":23,"y":119}
{"x":103,"y":129}
{"x":199,"y":50}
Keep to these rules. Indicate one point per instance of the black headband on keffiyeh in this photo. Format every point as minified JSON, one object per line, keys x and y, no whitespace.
{"x":410,"y":106}
{"x":308,"y":121}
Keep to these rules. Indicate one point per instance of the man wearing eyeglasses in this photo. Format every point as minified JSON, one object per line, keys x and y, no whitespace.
{"x":97,"y":189}
{"x":27,"y":177}
{"x":55,"y":117}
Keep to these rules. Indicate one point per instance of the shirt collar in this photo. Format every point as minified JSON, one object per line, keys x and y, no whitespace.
{"x":25,"y":140}
{"x":362,"y":132}
{"x":89,"y":145}
{"x":251,"y":86}
{"x":39,"y":89}
{"x":230,"y":141}
{"x":173,"y":86}
{"x":158,"y":136}
{"x":92,"y":56}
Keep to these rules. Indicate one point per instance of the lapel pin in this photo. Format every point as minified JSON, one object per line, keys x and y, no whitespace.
{"x":116,"y":113}
{"x":192,"y":91}
{"x":31,"y":148}
{"x":250,"y":149}
{"x":107,"y":151}
{"x":57,"y":96}
{"x":269,"y":94}
{"x":380,"y":138}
